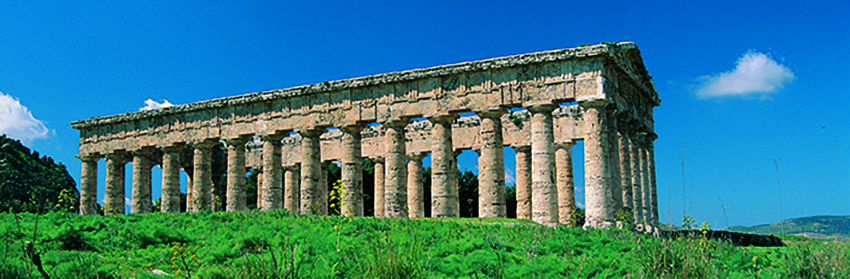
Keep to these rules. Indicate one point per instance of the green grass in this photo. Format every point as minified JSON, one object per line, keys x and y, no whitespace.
{"x":281,"y":245}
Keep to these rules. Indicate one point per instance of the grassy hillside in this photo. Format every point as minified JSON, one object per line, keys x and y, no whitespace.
{"x":816,"y":227}
{"x":280,"y":245}
{"x":31,"y":182}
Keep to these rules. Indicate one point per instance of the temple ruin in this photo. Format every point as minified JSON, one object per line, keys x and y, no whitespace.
{"x":540,"y":104}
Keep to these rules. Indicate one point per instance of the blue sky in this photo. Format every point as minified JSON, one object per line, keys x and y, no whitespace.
{"x":741,"y":83}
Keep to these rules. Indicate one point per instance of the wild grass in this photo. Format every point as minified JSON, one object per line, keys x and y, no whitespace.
{"x":282,"y":245}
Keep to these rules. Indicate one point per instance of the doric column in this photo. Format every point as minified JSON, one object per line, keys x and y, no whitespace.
{"x":202,"y":176}
{"x":415,"y":187}
{"x":599,"y":195}
{"x":141,"y":194}
{"x":292,"y":189}
{"x":650,"y":160}
{"x":88,"y":184}
{"x":645,"y":187}
{"x":637,"y":196}
{"x":566,"y":185}
{"x":455,"y":179}
{"x":379,"y":187}
{"x":114,"y":194}
{"x":272,"y":173}
{"x":544,"y":192}
{"x":323,"y":186}
{"x":311,"y":172}
{"x":523,"y":181}
{"x":625,"y":167}
{"x":491,"y":165}
{"x":395,"y":191}
{"x":444,"y":196}
{"x":171,"y":178}
{"x":236,"y":174}
{"x":614,"y":164}
{"x":259,"y":187}
{"x":352,"y":171}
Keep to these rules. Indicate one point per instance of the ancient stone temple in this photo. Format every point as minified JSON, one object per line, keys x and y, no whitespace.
{"x":540,"y":104}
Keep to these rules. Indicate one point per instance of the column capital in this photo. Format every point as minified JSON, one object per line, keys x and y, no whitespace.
{"x":545,"y":108}
{"x":294,"y":167}
{"x":455,"y":153}
{"x":378,"y":159}
{"x":174,"y":147}
{"x":116,"y":155}
{"x":241,"y":140}
{"x":275,"y":138}
{"x":564,"y":144}
{"x":596,"y":103}
{"x":207,"y":143}
{"x":494,"y":111}
{"x":650,"y":136}
{"x":89,"y":157}
{"x":143,"y":151}
{"x":352,"y":128}
{"x":399,"y":122}
{"x":311,"y":131}
{"x":442,"y":118}
{"x":416,"y":155}
{"x":521,"y":147}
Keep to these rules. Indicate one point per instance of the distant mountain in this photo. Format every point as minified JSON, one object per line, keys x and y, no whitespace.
{"x":816,"y":227}
{"x":30,"y":182}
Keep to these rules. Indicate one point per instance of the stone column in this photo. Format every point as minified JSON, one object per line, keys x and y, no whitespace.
{"x":625,"y":168}
{"x":260,"y":188}
{"x":614,"y":164}
{"x":566,"y":184}
{"x":202,"y":176}
{"x":455,"y":179}
{"x":236,"y":174}
{"x":141,"y":193}
{"x":599,"y":195}
{"x":273,"y":173}
{"x":88,"y":184}
{"x":379,"y":187}
{"x":645,"y":187}
{"x":292,"y":191}
{"x":415,"y":187}
{"x":114,"y":193}
{"x":637,"y":196}
{"x":523,"y":181}
{"x":187,"y":162}
{"x":171,"y":178}
{"x":650,"y":160}
{"x":395,"y":191}
{"x":311,"y":172}
{"x":323,"y":186}
{"x":544,"y":193}
{"x":352,"y":171}
{"x":491,"y":165}
{"x":444,"y":196}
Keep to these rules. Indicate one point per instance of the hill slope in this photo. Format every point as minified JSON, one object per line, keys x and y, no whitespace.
{"x":817,"y":227}
{"x":29,"y":181}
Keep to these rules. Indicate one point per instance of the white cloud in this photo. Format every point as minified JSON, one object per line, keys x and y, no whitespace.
{"x":755,"y":74}
{"x":151,"y":104}
{"x":16,"y":121}
{"x":509,"y":179}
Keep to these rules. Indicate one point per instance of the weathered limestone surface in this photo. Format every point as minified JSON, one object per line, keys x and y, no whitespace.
{"x":544,"y":191}
{"x":523,"y":181}
{"x":379,"y":187}
{"x":645,"y":188}
{"x":566,"y":186}
{"x":292,"y":189}
{"x":491,"y":165}
{"x":637,"y":190}
{"x":171,"y":178}
{"x":311,"y":173}
{"x":395,"y":184}
{"x":141,"y":194}
{"x":114,"y":195}
{"x":625,"y":168}
{"x":352,"y":171}
{"x":599,"y":195}
{"x":611,"y":74}
{"x":202,"y":177}
{"x":88,"y":185}
{"x":236,"y":175}
{"x":415,"y":187}
{"x":650,"y":150}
